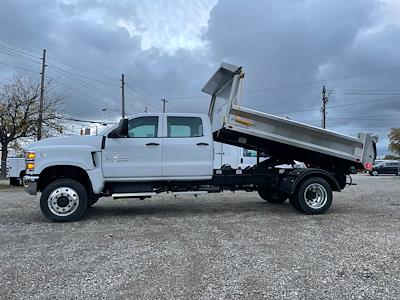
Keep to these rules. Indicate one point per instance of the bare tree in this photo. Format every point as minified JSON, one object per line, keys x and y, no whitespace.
{"x":394,"y":140}
{"x":19,"y":111}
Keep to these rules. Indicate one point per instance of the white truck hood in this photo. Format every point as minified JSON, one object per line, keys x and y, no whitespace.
{"x":92,"y":142}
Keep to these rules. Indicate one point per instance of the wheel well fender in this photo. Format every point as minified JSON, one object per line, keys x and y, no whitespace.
{"x":294,"y":178}
{"x":53,"y":173}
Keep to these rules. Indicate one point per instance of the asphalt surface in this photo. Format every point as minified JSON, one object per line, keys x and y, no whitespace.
{"x":227,"y":246}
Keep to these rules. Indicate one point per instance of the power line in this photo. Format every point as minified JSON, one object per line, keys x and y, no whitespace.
{"x":80,"y":93}
{"x":80,"y":68}
{"x":366,"y":93}
{"x":43,"y":39}
{"x":285,"y":86}
{"x":23,"y":46}
{"x":87,"y":97}
{"x":339,"y":77}
{"x":83,"y":83}
{"x":362,"y":90}
{"x":140,"y":101}
{"x":365,"y":119}
{"x":18,"y":67}
{"x":342,"y":105}
{"x":140,"y":97}
{"x":17,"y":56}
{"x":18,"y":52}
{"x":18,"y":44}
{"x":89,"y":121}
{"x":367,"y":101}
{"x":86,"y":77}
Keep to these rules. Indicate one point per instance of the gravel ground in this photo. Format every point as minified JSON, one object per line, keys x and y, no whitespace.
{"x":216,"y":246}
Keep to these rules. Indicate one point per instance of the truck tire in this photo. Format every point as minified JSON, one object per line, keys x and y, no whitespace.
{"x":295,"y":204}
{"x":64,"y":200}
{"x":92,"y":200}
{"x":313,"y":196}
{"x":14,"y":181}
{"x":21,"y":178}
{"x":272,"y":197}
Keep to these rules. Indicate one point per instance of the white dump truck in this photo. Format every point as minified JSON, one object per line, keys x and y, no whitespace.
{"x":153,"y":153}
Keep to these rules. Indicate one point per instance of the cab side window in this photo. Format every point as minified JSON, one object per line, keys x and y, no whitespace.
{"x":184,"y":127}
{"x":143,"y":127}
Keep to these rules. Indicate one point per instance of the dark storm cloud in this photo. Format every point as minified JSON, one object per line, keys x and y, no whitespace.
{"x":288,"y":49}
{"x":87,"y":34}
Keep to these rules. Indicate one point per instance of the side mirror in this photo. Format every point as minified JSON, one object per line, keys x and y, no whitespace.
{"x":121,"y":131}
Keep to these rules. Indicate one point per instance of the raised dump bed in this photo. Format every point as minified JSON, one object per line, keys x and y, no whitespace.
{"x":281,"y":138}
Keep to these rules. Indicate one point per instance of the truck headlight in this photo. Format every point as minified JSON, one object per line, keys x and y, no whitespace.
{"x":31,"y":155}
{"x":30,"y":166}
{"x":30,"y":161}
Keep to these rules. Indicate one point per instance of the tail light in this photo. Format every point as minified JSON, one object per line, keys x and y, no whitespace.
{"x":368,"y":166}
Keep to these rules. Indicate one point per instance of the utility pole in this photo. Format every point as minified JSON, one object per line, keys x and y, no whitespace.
{"x":323,"y":108}
{"x":40,"y":119}
{"x":123,"y":95}
{"x":164,"y":101}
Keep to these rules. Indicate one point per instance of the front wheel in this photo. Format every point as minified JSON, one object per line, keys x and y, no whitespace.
{"x":92,"y":200}
{"x":313,"y":196}
{"x":64,"y":200}
{"x":272,"y":197}
{"x":374,"y":173}
{"x":14,"y":181}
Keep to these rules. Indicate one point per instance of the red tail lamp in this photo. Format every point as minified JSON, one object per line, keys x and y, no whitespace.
{"x":368,"y":166}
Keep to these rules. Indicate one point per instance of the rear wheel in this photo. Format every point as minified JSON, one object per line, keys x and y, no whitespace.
{"x":374,"y":173}
{"x":313,"y":196}
{"x":272,"y":197}
{"x":64,"y":200}
{"x":293,"y":201}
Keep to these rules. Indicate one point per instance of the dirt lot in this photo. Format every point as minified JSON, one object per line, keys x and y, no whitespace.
{"x":217,"y":246}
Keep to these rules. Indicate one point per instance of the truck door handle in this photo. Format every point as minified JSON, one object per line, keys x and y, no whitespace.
{"x":152,"y":144}
{"x":202,"y":144}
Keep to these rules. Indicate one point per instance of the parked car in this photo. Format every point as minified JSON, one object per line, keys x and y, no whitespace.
{"x":387,"y":167}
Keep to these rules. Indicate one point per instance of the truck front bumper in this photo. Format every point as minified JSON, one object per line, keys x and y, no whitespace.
{"x":30,"y":184}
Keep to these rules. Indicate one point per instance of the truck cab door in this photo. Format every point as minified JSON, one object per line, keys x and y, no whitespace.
{"x":187,"y":147}
{"x":139,"y":154}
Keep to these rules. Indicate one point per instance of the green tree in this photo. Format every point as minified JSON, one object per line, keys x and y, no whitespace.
{"x":394,"y":140}
{"x":391,"y":157}
{"x":19,"y":110}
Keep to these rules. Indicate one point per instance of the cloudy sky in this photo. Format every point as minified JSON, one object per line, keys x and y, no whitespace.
{"x":168,"y":49}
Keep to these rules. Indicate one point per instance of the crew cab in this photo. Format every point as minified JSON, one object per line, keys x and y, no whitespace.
{"x":152,"y":153}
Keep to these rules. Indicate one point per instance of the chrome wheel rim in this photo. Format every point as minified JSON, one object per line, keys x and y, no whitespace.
{"x":375,"y":173}
{"x":315,"y":196}
{"x":63,"y":201}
